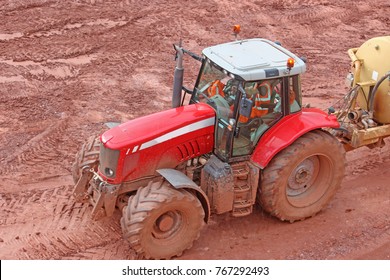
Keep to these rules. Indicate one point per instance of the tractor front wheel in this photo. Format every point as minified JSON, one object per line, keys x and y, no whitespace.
{"x":87,"y":156}
{"x":160,"y":222}
{"x":301,"y":179}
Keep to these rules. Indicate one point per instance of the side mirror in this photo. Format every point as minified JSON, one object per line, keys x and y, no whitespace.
{"x":246,"y":106}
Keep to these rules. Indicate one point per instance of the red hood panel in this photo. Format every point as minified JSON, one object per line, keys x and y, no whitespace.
{"x":149,"y":130}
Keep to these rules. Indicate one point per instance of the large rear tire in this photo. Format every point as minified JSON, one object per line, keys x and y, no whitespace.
{"x":302,"y":179}
{"x":160,"y":222}
{"x":88,"y":155}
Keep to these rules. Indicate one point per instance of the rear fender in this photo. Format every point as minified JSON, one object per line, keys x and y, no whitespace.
{"x":180,"y":181}
{"x":286,"y":131}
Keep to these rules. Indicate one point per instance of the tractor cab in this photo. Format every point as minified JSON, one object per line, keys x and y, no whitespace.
{"x":251,"y":84}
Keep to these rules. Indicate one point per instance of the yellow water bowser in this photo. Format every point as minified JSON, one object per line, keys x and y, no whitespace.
{"x":371,"y":68}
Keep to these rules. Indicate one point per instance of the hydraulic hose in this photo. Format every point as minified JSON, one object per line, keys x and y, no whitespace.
{"x":373,"y":93}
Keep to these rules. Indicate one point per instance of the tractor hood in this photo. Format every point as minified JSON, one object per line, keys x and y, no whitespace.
{"x":152,"y":130}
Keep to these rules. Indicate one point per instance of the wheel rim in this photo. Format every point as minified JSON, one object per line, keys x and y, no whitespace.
{"x":167,"y":225}
{"x":303,"y":176}
{"x":309,"y":180}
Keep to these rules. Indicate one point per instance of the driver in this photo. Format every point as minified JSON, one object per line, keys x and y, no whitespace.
{"x":216,"y":87}
{"x":262,"y":99}
{"x":228,"y":90}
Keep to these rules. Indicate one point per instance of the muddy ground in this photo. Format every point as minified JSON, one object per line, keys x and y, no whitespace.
{"x":67,"y":67}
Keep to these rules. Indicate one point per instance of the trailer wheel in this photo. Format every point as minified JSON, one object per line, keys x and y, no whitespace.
{"x":160,"y":222}
{"x":88,"y":155}
{"x":302,"y":179}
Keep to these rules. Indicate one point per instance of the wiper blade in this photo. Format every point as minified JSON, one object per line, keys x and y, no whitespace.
{"x":193,"y":55}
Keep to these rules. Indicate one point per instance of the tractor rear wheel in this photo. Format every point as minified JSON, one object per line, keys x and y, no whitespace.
{"x":302,"y":179}
{"x":88,"y":155}
{"x":160,"y":222}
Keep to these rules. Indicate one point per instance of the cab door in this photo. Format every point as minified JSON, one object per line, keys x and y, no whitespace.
{"x":272,"y":99}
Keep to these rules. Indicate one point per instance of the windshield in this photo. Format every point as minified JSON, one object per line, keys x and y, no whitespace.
{"x":208,"y":75}
{"x":217,"y":89}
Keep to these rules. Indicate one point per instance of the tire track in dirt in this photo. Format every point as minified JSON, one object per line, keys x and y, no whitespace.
{"x":66,"y":32}
{"x":22,"y":5}
{"x":363,"y":160}
{"x":54,"y":27}
{"x":65,"y":51}
{"x":116,"y":250}
{"x":52,"y":39}
{"x":39,"y":150}
{"x":319,"y":16}
{"x":351,"y":243}
{"x":41,"y":146}
{"x":57,"y":228}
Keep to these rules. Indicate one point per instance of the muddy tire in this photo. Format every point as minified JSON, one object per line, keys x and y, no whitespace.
{"x":302,"y":179}
{"x":160,"y":222}
{"x":88,"y":155}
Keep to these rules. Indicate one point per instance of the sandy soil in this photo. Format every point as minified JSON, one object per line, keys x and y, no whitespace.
{"x":67,"y":67}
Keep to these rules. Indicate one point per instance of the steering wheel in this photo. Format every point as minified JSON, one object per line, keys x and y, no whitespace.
{"x":221,"y":105}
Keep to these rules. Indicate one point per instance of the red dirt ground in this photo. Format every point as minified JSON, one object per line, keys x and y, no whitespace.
{"x":67,"y":67}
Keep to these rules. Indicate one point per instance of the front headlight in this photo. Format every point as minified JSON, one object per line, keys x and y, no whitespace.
{"x":108,"y":161}
{"x":109,"y":172}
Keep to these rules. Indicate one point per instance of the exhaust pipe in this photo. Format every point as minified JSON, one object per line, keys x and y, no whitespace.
{"x":178,"y":77}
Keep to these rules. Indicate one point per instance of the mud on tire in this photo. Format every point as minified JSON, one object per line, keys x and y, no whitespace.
{"x":160,"y":222}
{"x":302,"y":179}
{"x":88,"y":155}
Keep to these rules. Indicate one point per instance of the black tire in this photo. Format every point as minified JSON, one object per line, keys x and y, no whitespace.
{"x":302,"y":179}
{"x":88,"y":155}
{"x":160,"y":222}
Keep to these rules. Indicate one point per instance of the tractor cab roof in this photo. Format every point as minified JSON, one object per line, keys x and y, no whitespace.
{"x":254,"y":59}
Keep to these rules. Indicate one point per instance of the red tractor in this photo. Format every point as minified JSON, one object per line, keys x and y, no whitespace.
{"x":244,"y":137}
